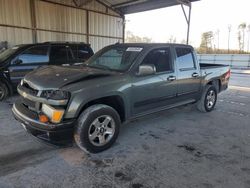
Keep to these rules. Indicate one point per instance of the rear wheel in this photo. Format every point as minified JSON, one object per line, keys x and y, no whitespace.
{"x":97,"y":128}
{"x":3,"y":91}
{"x":208,"y":99}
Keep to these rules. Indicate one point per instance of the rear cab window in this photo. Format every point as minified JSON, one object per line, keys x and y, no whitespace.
{"x":185,"y":58}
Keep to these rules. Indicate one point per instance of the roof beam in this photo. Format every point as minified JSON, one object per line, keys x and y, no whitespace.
{"x":131,"y":2}
{"x":134,"y":6}
{"x":150,"y":5}
{"x":110,"y":7}
{"x":184,"y":2}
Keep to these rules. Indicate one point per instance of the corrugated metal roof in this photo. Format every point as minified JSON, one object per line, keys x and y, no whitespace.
{"x":133,"y":6}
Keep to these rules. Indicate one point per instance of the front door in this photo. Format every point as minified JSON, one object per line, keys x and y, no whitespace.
{"x":155,"y":91}
{"x":27,"y":61}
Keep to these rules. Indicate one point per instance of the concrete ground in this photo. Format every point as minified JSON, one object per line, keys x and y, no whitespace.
{"x":176,"y":148}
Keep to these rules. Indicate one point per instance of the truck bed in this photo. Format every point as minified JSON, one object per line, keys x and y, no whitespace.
{"x":210,"y":66}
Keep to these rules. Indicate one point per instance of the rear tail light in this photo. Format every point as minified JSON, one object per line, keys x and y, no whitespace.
{"x":228,"y":74}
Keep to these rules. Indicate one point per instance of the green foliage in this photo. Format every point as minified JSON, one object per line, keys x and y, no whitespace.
{"x":131,"y":38}
{"x":206,"y":42}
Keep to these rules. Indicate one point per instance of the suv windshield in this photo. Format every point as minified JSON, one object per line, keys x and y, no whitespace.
{"x":117,"y":58}
{"x":7,"y":53}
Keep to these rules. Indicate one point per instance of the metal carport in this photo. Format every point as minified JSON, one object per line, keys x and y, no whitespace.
{"x":98,"y":22}
{"x":133,"y":6}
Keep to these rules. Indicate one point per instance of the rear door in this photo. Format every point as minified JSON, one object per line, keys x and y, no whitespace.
{"x":27,"y":61}
{"x":84,"y":52}
{"x":61,"y":55}
{"x":189,"y":76}
{"x":155,"y":91}
{"x":81,"y":52}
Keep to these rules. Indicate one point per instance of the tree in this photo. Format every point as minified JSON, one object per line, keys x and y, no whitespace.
{"x":183,"y":41}
{"x":131,"y":38}
{"x":242,"y":28}
{"x":248,"y":30}
{"x":206,"y":41}
{"x":240,"y":41}
{"x":172,"y":39}
{"x":228,"y":42}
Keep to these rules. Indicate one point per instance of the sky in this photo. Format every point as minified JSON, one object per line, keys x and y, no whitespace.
{"x":207,"y":15}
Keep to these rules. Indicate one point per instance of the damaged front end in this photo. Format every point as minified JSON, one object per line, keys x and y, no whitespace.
{"x":41,"y":113}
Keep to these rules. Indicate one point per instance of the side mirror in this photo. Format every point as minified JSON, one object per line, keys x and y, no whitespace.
{"x":17,"y":62}
{"x":145,"y":70}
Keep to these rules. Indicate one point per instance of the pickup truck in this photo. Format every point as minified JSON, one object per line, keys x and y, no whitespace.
{"x":121,"y":82}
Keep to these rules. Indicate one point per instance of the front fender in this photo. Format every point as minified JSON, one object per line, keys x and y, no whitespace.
{"x":78,"y":102}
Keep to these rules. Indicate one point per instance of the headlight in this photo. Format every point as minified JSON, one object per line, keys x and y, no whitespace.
{"x":55,"y":115}
{"x":55,"y":95}
{"x":21,"y":83}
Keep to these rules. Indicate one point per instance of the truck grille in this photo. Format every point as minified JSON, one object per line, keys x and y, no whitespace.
{"x":28,"y":103}
{"x":31,"y":105}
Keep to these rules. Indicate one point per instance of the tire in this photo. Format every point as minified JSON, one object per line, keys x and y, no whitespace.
{"x":208,"y":99}
{"x":4,"y":92}
{"x":97,"y":128}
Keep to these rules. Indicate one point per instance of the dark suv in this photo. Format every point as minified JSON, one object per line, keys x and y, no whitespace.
{"x":19,"y":60}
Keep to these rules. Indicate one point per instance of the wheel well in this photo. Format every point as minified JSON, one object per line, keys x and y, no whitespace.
{"x":115,"y":102}
{"x":10,"y":90}
{"x":216,"y":83}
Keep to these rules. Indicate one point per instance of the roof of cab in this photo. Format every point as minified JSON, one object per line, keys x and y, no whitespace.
{"x":151,"y":44}
{"x":53,"y":43}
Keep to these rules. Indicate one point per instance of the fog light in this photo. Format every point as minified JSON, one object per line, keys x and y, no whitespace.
{"x":55,"y":115}
{"x":43,"y":118}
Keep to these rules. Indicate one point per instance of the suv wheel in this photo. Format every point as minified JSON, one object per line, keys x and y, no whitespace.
{"x":3,"y":91}
{"x":97,"y":128}
{"x":208,"y":99}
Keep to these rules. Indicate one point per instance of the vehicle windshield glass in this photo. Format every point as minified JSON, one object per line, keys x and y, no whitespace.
{"x":116,"y":58}
{"x":7,"y":53}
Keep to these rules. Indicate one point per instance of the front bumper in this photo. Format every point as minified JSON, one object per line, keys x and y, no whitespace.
{"x":56,"y":134}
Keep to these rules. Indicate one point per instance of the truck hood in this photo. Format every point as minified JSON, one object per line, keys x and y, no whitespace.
{"x":55,"y":77}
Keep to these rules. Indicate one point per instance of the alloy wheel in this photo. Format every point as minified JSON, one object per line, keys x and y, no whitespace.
{"x":101,"y":130}
{"x":211,"y":98}
{"x":2,"y":92}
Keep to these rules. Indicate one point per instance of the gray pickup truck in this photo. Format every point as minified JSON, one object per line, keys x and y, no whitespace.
{"x":87,"y":103}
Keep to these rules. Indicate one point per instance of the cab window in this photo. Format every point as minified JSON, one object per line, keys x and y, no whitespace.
{"x":81,"y":52}
{"x":60,"y":55}
{"x":185,"y":58}
{"x":160,"y":58}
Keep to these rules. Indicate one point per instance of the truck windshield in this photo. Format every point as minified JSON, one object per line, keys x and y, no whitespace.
{"x":117,"y":58}
{"x":7,"y":53}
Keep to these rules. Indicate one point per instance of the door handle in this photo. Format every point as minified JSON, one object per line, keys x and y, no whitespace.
{"x":6,"y":71}
{"x":171,"y":78}
{"x":195,"y":74}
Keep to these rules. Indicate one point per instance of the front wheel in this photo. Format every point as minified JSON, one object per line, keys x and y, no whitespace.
{"x":208,"y":99}
{"x":97,"y":128}
{"x":3,"y":91}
